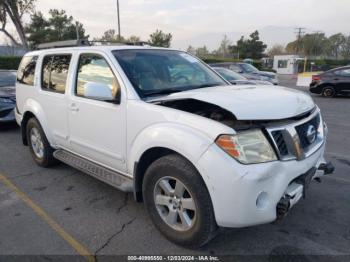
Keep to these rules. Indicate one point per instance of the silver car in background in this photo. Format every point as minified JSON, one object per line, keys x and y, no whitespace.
{"x":237,"y":79}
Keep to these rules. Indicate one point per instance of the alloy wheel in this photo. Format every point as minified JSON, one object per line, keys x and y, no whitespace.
{"x":175,"y":204}
{"x":37,"y":142}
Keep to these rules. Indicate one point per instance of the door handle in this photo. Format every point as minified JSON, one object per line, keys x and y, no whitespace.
{"x":73,"y":108}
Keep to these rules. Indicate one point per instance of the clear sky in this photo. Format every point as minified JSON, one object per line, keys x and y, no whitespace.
{"x":195,"y":20}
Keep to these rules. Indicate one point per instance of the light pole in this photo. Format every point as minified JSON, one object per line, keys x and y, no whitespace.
{"x":118,"y":20}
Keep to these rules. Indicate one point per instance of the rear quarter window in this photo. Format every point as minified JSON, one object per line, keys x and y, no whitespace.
{"x":26,"y":70}
{"x":54,"y":72}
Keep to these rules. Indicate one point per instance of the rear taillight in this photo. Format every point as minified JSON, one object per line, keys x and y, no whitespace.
{"x":316,"y":78}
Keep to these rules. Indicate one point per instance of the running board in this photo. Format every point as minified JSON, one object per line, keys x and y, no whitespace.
{"x":104,"y":174}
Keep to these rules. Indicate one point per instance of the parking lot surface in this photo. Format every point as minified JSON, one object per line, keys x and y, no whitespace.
{"x":61,"y":211}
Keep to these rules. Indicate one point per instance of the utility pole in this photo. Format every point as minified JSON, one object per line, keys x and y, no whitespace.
{"x":77,"y":30}
{"x":118,"y":20}
{"x":299,"y":31}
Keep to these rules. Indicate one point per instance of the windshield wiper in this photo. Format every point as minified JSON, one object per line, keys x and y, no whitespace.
{"x":164,"y":92}
{"x":206,"y":85}
{"x":176,"y":90}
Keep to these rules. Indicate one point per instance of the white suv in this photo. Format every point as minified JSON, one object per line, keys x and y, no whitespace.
{"x":162,"y":124}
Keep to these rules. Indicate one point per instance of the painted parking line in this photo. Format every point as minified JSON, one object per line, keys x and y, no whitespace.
{"x":81,"y":250}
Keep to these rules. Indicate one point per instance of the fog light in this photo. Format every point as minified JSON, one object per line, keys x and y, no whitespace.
{"x":262,"y":200}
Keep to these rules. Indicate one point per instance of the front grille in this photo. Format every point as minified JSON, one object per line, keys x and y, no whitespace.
{"x":280,"y":142}
{"x":291,"y":140}
{"x":302,"y":130}
{"x":5,"y":112}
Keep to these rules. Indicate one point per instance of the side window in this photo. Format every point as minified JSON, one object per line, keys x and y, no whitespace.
{"x":26,"y":70}
{"x":344,"y":72}
{"x":282,"y":63}
{"x":54,"y":73}
{"x":94,"y":68}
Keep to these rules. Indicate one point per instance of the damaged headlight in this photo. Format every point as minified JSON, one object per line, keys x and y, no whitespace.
{"x":248,"y":147}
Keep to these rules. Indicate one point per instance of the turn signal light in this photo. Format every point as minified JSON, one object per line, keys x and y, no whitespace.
{"x":227,"y":144}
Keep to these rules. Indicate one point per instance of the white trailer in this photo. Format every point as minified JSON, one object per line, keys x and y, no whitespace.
{"x":286,"y":64}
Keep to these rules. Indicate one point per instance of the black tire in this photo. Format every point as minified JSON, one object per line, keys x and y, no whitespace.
{"x":328,"y":91}
{"x":47,"y":159}
{"x":204,"y":226}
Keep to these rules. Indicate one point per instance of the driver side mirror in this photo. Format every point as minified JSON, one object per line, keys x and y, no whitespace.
{"x":101,"y":92}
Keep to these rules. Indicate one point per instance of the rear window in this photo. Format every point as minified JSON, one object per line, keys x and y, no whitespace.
{"x":54,"y":73}
{"x":26,"y":70}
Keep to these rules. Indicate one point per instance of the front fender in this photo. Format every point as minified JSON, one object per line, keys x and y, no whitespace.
{"x":182,"y":139}
{"x":35,"y":108}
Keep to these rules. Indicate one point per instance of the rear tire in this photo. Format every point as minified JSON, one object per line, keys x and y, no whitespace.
{"x":39,"y":146}
{"x":178,"y":202}
{"x":328,"y":91}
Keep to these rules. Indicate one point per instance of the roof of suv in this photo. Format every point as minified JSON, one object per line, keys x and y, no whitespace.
{"x":97,"y":48}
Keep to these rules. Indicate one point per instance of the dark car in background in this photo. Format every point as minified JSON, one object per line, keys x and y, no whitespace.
{"x":249,"y":71}
{"x":331,"y":83}
{"x":237,"y":79}
{"x":7,"y":95}
{"x":7,"y":104}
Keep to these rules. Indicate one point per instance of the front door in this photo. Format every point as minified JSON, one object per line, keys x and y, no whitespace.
{"x":97,"y":128}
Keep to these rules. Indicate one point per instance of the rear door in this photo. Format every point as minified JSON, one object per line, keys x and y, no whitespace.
{"x":342,"y":79}
{"x":97,"y":128}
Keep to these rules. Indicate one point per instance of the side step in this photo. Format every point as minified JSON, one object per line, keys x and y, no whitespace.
{"x":104,"y":174}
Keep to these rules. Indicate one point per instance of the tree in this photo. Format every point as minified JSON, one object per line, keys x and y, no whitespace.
{"x":202,"y":52}
{"x":249,"y":48}
{"x":314,"y":44}
{"x":292,"y":47}
{"x":335,"y":44}
{"x":224,"y":46}
{"x":276,"y":50}
{"x":317,"y":44}
{"x":110,"y":36}
{"x":346,"y":48}
{"x":256,"y":47}
{"x":58,"y":27}
{"x":191,"y":50}
{"x":15,"y":9}
{"x":158,"y":38}
{"x":133,"y":39}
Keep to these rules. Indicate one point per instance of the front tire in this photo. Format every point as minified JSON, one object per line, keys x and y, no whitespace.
{"x":178,"y":202}
{"x":39,"y":146}
{"x":328,"y":91}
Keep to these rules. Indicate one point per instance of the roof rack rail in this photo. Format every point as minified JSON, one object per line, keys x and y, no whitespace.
{"x":98,"y":42}
{"x":85,"y":42}
{"x":66,"y":43}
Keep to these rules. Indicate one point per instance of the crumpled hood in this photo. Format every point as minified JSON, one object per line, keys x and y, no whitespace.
{"x":252,"y":102}
{"x":7,"y":91}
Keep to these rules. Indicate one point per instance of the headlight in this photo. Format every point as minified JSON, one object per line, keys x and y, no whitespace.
{"x":248,"y":147}
{"x":5,"y":100}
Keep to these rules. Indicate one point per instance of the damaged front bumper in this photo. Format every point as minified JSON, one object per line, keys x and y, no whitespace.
{"x":298,"y":187}
{"x":247,"y":195}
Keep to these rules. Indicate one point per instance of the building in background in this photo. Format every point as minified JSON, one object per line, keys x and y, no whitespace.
{"x":286,"y":64}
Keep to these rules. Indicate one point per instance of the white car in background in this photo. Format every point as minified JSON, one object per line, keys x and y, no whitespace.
{"x":200,"y":153}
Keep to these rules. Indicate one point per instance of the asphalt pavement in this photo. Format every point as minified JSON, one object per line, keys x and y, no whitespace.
{"x":61,"y":211}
